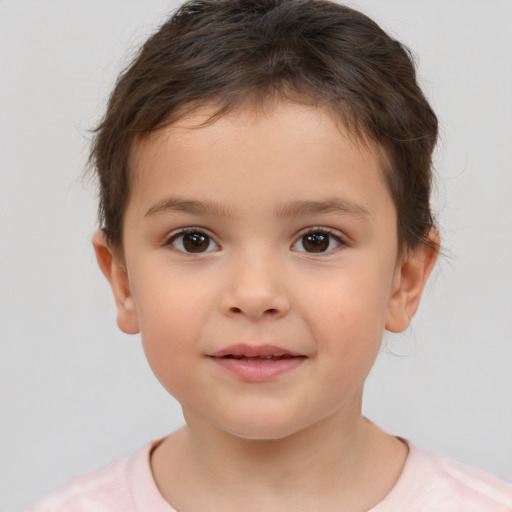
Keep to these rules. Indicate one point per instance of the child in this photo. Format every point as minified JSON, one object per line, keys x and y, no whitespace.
{"x":265,"y":170}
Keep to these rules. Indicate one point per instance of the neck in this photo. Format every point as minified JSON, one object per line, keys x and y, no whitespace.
{"x":336,"y":459}
{"x":274,"y":463}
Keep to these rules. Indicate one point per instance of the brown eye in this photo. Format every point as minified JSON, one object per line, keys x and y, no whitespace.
{"x":317,"y":242}
{"x":194,"y":242}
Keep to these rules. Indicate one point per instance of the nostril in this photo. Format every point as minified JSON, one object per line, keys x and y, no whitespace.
{"x":270,"y":311}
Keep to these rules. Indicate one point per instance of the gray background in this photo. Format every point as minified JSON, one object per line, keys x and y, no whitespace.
{"x":76,"y":394}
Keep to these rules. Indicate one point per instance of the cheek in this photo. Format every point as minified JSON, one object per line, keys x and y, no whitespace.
{"x":172,"y":311}
{"x":347,"y":314}
{"x":349,"y":300}
{"x":169,"y":298}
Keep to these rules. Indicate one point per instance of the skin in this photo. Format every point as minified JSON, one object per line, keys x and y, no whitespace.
{"x":298,"y":440}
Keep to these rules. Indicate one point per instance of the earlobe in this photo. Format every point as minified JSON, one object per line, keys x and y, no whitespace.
{"x":410,"y":280}
{"x":115,"y":272}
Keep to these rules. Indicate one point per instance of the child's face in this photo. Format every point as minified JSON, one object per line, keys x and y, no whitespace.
{"x":290,"y":249}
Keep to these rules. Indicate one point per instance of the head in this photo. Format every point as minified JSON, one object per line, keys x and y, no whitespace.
{"x":228,"y":53}
{"x":265,"y":181}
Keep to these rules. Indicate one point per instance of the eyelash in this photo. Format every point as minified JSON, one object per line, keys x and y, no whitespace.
{"x":331,"y":235}
{"x":186,"y":231}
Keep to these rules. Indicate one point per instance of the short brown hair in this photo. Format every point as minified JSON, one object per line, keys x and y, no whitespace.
{"x":312,"y":51}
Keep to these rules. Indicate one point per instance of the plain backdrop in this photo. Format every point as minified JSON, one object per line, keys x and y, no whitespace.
{"x":75,"y":393}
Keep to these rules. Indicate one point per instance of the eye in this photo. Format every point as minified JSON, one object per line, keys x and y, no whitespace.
{"x":317,"y":241}
{"x":193,"y":242}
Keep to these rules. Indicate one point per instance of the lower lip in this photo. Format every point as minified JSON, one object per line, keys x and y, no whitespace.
{"x":258,"y":370}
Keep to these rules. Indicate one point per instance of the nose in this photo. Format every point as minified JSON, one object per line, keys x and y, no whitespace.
{"x":254,"y":289}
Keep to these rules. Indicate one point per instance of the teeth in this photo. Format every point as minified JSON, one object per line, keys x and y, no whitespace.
{"x":256,"y":358}
{"x":265,"y":358}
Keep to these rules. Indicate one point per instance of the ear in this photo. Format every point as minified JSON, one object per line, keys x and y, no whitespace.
{"x":115,"y":272}
{"x":410,"y":279}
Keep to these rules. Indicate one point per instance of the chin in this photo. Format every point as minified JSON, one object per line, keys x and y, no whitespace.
{"x":262,"y":429}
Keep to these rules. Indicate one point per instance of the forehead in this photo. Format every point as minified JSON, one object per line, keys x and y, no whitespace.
{"x":295,"y":122}
{"x":287,"y":151}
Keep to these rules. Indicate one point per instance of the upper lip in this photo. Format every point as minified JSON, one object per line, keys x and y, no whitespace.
{"x":242,"y":350}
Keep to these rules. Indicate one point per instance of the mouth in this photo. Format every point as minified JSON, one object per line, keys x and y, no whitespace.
{"x":264,"y":352}
{"x":259,"y":358}
{"x":257,"y":363}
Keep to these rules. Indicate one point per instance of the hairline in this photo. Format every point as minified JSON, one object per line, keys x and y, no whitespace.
{"x":261,"y":102}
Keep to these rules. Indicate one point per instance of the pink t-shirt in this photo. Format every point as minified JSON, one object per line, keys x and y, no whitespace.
{"x":429,"y":482}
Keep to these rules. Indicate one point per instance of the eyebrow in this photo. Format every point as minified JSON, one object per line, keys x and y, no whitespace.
{"x":176,"y":204}
{"x":333,"y":205}
{"x":294,"y":208}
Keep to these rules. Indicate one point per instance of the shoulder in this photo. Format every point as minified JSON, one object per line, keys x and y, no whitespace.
{"x":432,"y":481}
{"x":104,"y":490}
{"x":469,"y":478}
